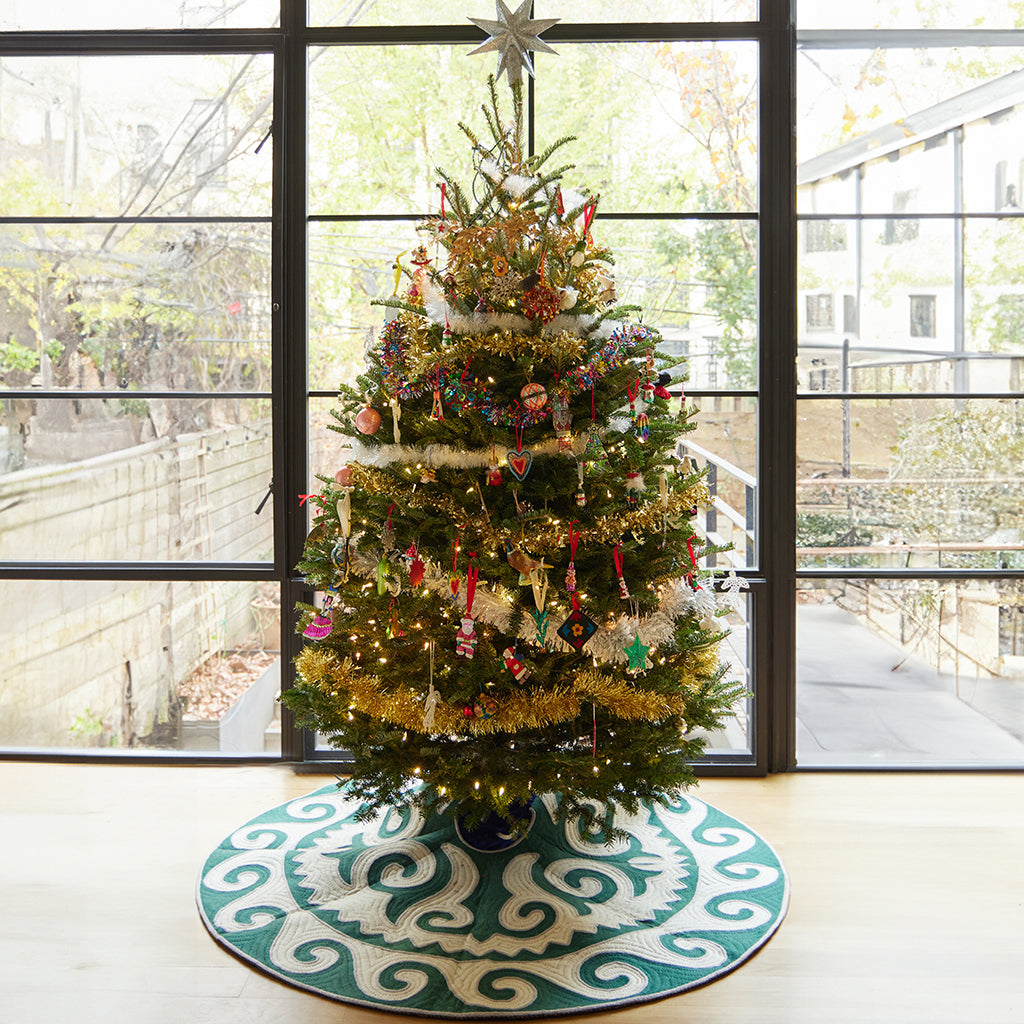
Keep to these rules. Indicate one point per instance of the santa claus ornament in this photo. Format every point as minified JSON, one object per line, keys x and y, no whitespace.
{"x":519,"y":671}
{"x":465,"y":638}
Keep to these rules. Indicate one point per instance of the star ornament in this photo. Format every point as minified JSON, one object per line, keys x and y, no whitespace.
{"x":637,"y":654}
{"x":514,"y":35}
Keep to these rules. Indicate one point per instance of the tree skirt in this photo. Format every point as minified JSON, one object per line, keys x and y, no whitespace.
{"x":400,"y":913}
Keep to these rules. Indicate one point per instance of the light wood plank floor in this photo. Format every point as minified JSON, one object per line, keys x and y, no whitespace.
{"x":907,"y":901}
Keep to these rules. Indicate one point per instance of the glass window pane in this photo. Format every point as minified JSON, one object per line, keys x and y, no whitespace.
{"x":40,"y":15}
{"x":142,"y":664}
{"x":350,"y":265}
{"x":329,"y":451}
{"x":994,"y":302}
{"x":725,"y":444}
{"x":736,"y":736}
{"x":877,"y":308}
{"x":910,"y":672}
{"x":453,"y":12}
{"x":392,"y":12}
{"x":126,"y":307}
{"x":918,"y":484}
{"x":136,"y":136}
{"x":135,"y":480}
{"x":660,"y":126}
{"x":906,"y":14}
{"x":583,"y":11}
{"x":378,"y":151}
{"x":993,"y":171}
{"x":696,"y":281}
{"x":895,"y":111}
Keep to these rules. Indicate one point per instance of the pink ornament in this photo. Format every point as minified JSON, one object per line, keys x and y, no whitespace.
{"x":343,"y":478}
{"x":368,"y":421}
{"x":534,"y":397}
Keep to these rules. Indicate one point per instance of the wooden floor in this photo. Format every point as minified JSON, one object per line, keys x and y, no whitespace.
{"x":907,"y":901}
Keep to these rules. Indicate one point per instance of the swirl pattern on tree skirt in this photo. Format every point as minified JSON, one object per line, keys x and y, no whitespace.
{"x":399,"y":913}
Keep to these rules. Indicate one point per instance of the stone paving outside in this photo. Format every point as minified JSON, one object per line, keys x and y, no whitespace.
{"x":862,"y":700}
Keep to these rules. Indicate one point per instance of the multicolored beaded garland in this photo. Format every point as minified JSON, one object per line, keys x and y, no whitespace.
{"x":467,"y":391}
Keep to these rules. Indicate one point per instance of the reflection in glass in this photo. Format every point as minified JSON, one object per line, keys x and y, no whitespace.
{"x":135,"y":480}
{"x":918,"y":484}
{"x":910,"y":672}
{"x":660,"y":126}
{"x":136,"y":136}
{"x":136,"y":307}
{"x":141,"y":664}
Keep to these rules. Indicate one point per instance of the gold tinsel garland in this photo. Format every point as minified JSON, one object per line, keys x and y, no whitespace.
{"x":543,"y":538}
{"x":526,"y":708}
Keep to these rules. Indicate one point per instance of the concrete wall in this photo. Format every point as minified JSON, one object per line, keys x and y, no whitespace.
{"x":95,"y":662}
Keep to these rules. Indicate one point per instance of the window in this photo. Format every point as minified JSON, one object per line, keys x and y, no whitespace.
{"x":922,"y":316}
{"x":824,"y":236}
{"x":150,"y":229}
{"x":819,"y":312}
{"x":899,"y":230}
{"x":908,"y":481}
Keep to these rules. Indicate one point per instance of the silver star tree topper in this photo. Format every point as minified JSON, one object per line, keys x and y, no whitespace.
{"x":514,"y":35}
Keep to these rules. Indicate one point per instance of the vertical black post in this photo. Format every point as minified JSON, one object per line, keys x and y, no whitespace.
{"x":290,"y":466}
{"x":776,"y":707}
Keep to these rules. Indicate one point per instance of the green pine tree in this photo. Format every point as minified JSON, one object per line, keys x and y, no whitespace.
{"x":512,"y":598}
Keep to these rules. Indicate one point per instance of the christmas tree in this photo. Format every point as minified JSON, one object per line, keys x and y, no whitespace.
{"x":513,"y":601}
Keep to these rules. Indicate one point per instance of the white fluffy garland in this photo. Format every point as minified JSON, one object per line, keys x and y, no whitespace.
{"x":435,"y":455}
{"x":475,"y":324}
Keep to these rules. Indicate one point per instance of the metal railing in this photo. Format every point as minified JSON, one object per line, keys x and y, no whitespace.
{"x":720,"y":523}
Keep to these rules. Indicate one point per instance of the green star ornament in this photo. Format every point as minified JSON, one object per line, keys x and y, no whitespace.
{"x":514,"y":35}
{"x":637,"y":654}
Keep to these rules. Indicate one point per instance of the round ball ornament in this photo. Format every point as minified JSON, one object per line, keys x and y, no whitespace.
{"x":534,"y":397}
{"x":368,"y":420}
{"x":541,"y":302}
{"x":343,"y":478}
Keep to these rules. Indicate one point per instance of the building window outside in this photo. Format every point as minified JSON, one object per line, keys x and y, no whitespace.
{"x":922,"y":316}
{"x":851,"y":317}
{"x":820,"y":315}
{"x":901,"y":229}
{"x":824,"y":236}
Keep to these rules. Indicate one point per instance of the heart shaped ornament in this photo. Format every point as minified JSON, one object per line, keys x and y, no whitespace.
{"x":519,"y":463}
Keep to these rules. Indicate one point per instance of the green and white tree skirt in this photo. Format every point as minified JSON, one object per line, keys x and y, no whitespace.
{"x":400,"y":913}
